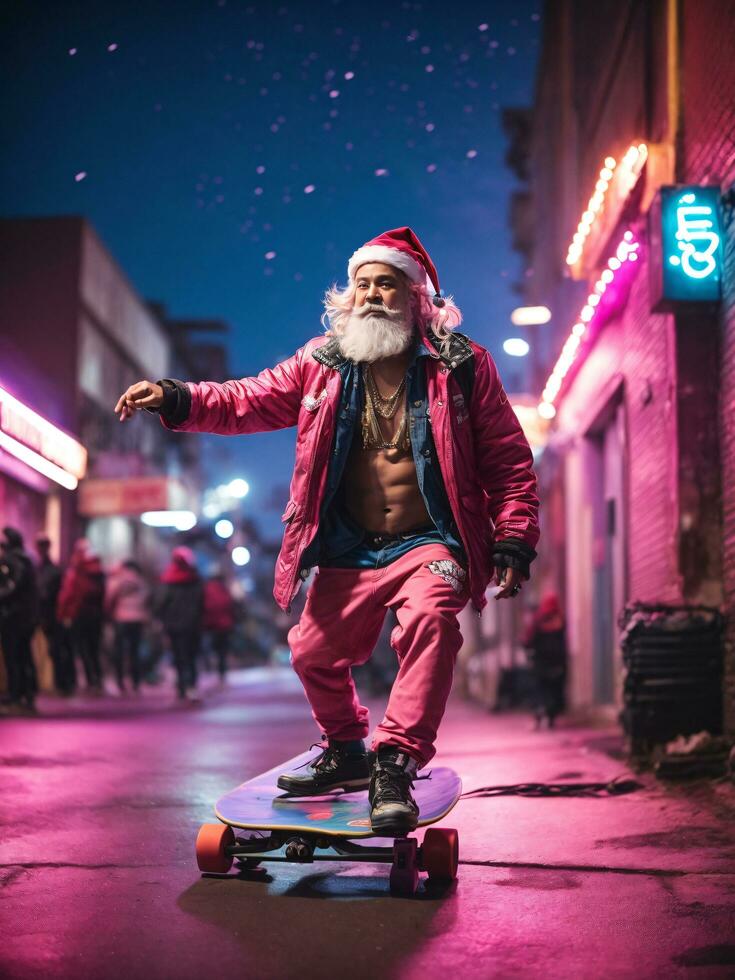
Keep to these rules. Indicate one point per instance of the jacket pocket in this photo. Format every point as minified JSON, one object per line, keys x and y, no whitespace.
{"x":289,"y":513}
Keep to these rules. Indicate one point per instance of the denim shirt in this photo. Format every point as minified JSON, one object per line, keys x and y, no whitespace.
{"x":338,"y":533}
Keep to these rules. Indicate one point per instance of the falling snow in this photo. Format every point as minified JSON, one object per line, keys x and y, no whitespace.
{"x":262,"y":143}
{"x":281,"y":120}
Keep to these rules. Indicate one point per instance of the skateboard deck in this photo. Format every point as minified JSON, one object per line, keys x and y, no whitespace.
{"x":259,"y":804}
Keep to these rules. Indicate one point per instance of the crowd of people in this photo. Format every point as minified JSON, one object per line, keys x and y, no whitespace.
{"x":73,"y":606}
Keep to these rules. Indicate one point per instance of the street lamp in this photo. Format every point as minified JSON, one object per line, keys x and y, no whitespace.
{"x":516,"y":347}
{"x":224,"y":528}
{"x":240,"y":555}
{"x":181,"y":520}
{"x":238,"y":487}
{"x":530,"y":316}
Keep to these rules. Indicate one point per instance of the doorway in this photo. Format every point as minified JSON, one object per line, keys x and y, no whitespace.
{"x":607,"y":457}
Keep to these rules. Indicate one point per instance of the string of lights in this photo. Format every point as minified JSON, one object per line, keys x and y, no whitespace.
{"x":625,"y":254}
{"x":626,"y":174}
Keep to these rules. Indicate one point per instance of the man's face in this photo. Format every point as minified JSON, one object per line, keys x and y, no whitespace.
{"x":377,"y":284}
{"x":380,"y":324}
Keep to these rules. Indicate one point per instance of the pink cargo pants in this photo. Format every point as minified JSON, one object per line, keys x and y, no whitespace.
{"x":344,"y":613}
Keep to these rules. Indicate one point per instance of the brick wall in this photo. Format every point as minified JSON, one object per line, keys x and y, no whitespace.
{"x":639,"y":346}
{"x":707,"y":155}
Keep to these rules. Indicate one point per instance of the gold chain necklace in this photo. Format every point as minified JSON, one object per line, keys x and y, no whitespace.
{"x":385,"y":407}
{"x":372,"y":437}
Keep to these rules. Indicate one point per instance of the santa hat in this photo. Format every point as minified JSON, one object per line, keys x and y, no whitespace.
{"x":184,"y":556}
{"x":402,"y":249}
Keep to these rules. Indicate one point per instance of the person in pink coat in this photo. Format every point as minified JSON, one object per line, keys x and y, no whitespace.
{"x":127,"y":599}
{"x":413,"y":486}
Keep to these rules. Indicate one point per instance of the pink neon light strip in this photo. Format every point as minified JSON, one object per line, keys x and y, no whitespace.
{"x":70,"y":455}
{"x":627,"y":251}
{"x":37,"y":462}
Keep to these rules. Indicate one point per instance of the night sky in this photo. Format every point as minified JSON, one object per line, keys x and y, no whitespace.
{"x":233,"y":155}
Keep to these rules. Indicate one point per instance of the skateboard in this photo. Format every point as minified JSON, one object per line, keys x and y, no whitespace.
{"x":301,"y":829}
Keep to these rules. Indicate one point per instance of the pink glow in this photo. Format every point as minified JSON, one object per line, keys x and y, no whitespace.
{"x":594,"y":309}
{"x":24,"y":428}
{"x":36,"y":462}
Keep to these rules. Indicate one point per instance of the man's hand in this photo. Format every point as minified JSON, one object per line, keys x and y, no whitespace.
{"x":143,"y":394}
{"x":509,"y":579}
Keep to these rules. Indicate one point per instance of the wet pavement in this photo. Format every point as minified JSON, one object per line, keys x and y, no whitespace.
{"x":102,"y":800}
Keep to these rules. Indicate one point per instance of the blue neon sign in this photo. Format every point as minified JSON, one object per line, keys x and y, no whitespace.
{"x":691,"y":239}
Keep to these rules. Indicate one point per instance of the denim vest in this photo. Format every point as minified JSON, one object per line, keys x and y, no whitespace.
{"x":339,"y":540}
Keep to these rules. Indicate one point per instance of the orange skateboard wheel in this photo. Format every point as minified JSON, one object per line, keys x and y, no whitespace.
{"x":212,"y":840}
{"x":440,"y":853}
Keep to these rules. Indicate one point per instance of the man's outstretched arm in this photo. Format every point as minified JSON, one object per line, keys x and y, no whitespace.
{"x":270,"y":400}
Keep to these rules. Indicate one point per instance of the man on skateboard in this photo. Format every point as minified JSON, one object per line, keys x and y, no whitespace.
{"x":412,"y":483}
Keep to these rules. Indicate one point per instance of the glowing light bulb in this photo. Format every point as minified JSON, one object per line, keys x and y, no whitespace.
{"x":240,"y":555}
{"x":546,"y":410}
{"x":224,"y":528}
{"x":607,"y":276}
{"x":614,"y":263}
{"x":516,"y":347}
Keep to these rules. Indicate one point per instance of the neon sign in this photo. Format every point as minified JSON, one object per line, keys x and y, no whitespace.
{"x":691,"y":245}
{"x":36,"y":442}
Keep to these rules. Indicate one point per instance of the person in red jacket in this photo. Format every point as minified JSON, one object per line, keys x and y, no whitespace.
{"x":413,"y":483}
{"x":179,"y":607}
{"x":80,"y":609}
{"x":219,"y":618}
{"x":546,"y":643}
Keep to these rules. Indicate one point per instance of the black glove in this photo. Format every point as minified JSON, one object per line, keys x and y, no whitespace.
{"x":514,"y":553}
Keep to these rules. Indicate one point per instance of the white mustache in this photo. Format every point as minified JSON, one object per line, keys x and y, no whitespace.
{"x":385,"y":311}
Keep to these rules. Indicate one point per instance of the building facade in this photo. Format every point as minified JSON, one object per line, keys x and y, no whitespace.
{"x":73,"y":335}
{"x":638,"y":500}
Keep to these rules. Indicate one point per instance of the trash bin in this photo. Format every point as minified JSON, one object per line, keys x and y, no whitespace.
{"x":673,"y":672}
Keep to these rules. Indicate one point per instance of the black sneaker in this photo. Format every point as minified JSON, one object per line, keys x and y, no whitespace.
{"x":393,"y":811}
{"x":342,"y":765}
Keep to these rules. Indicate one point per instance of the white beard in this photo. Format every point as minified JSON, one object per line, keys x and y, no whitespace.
{"x":373,"y":333}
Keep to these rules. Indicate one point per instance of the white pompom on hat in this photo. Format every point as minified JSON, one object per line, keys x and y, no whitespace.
{"x":402,"y":249}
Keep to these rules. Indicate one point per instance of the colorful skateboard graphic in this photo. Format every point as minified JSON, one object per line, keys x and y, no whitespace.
{"x":325,"y":828}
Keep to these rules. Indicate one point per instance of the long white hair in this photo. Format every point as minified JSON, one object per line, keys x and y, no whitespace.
{"x":338,"y":305}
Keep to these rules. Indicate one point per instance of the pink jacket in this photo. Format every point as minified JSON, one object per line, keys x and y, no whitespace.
{"x":483,"y":454}
{"x":127,"y":596}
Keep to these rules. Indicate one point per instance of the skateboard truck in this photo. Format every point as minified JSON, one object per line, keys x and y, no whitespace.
{"x":217,"y":847}
{"x":300,"y":849}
